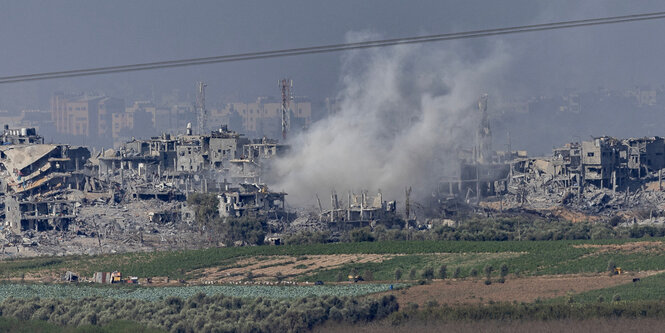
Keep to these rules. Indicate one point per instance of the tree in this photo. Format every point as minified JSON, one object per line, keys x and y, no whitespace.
{"x":488,"y":274}
{"x":443,"y":271}
{"x":361,"y":235}
{"x":398,"y":274}
{"x":473,"y":272}
{"x":244,"y":229}
{"x":611,"y":266}
{"x":428,"y":273}
{"x":488,"y":271}
{"x":503,"y":270}
{"x":412,"y":274}
{"x":205,"y":206}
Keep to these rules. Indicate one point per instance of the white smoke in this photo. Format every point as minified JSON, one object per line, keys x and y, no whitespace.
{"x":404,"y":112}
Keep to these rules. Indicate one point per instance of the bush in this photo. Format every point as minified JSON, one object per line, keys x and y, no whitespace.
{"x":488,"y":271}
{"x":616,"y":298}
{"x":412,"y":274}
{"x":488,"y":282}
{"x":361,"y":235}
{"x":398,"y":274}
{"x":428,"y":273}
{"x":503,"y":270}
{"x":457,"y":272}
{"x":473,"y":272}
{"x":443,"y":270}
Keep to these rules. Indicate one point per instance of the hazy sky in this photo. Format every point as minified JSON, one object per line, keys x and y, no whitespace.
{"x":38,"y":36}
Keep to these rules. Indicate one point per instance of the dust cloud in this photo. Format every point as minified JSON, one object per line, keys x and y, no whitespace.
{"x":402,"y":115}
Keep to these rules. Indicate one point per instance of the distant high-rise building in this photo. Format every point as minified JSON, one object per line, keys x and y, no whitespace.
{"x":85,"y":115}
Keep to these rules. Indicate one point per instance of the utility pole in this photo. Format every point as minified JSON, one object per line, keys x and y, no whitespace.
{"x":201,"y":112}
{"x":286,"y":87}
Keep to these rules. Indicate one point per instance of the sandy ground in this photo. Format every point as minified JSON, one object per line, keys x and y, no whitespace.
{"x":526,"y":289}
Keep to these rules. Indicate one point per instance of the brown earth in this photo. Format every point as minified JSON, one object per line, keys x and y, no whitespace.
{"x":605,"y":325}
{"x":268,"y":269}
{"x":526,"y":289}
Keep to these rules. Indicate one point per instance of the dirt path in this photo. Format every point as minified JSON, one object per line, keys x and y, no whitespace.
{"x":525,"y":289}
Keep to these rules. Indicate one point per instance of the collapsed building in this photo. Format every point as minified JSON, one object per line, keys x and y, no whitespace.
{"x":592,"y":175}
{"x":133,"y":195}
{"x":193,"y":162}
{"x":32,"y":173}
{"x":360,"y":210}
{"x":251,"y":200}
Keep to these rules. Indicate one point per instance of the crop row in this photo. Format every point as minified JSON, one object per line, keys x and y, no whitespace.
{"x":158,"y":293}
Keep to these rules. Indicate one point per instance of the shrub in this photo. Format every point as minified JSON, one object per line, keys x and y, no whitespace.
{"x":488,"y":282}
{"x":428,"y":273}
{"x":473,"y":272}
{"x":488,"y":271}
{"x":443,"y":270}
{"x":412,"y":274}
{"x":503,"y":270}
{"x":457,"y":272}
{"x":611,"y":266}
{"x":398,"y":274}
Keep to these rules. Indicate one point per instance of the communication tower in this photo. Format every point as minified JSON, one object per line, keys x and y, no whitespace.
{"x":286,"y":87}
{"x":201,"y":112}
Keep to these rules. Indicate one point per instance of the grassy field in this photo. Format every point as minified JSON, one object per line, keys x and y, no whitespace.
{"x":647,"y":289}
{"x":526,"y":258}
{"x":528,"y":262}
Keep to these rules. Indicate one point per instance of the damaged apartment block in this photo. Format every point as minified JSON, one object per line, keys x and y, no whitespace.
{"x":251,"y":200}
{"x":33,"y":173}
{"x":361,"y":210}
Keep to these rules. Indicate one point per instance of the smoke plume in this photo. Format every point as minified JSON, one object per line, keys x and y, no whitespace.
{"x":403,"y":114}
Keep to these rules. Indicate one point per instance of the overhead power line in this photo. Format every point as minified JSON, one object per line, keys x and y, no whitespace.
{"x":333,"y":47}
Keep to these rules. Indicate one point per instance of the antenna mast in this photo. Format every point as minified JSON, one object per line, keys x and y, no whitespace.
{"x":201,"y":112}
{"x":286,"y":86}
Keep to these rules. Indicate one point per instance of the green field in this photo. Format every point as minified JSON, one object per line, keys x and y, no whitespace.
{"x":525,"y":257}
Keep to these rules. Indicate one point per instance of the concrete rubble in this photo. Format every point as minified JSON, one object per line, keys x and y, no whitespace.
{"x":59,"y":199}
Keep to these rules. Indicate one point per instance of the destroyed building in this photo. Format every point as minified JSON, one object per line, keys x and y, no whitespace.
{"x":251,"y":200}
{"x":224,"y":153}
{"x":31,"y":168}
{"x":360,"y":210}
{"x":38,"y":215}
{"x":17,"y":136}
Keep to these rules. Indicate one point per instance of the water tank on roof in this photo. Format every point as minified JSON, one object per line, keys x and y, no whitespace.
{"x":24,"y":131}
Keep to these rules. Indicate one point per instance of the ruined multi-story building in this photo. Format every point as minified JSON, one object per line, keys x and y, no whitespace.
{"x":251,"y":200}
{"x":645,"y":155}
{"x":30,"y":167}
